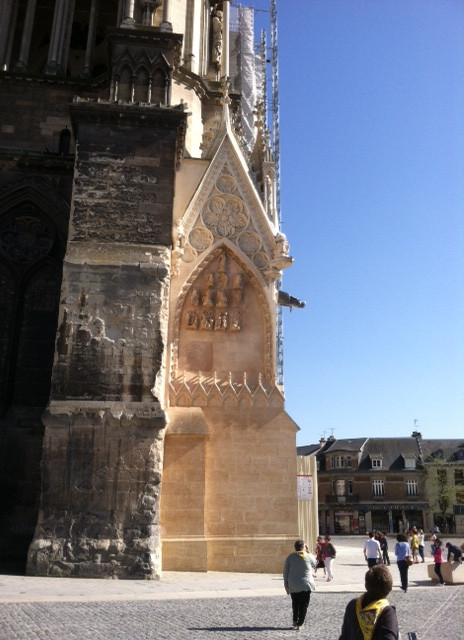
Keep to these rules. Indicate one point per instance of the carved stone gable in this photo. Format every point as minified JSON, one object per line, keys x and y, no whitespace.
{"x":227,"y":206}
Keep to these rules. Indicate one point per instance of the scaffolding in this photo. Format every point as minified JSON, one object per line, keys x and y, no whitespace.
{"x":276,"y":151}
{"x":254,"y":88}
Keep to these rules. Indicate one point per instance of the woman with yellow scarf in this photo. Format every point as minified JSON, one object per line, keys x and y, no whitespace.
{"x":370,"y":617}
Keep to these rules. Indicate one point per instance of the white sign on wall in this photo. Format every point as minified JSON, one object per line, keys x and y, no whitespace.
{"x":305,"y":487}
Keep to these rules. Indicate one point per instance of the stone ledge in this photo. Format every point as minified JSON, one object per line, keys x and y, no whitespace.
{"x":452,"y":572}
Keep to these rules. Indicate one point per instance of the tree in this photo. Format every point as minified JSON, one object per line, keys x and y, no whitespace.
{"x":440,"y":489}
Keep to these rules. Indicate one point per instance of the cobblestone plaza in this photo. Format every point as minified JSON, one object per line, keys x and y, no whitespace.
{"x":219,"y":606}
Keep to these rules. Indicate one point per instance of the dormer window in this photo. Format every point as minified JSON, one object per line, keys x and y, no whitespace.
{"x":376,"y":462}
{"x":409,"y":463}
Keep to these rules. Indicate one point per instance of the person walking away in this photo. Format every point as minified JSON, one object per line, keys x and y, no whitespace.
{"x":421,"y":538}
{"x":415,"y":545}
{"x":298,"y":581}
{"x":370,"y":615}
{"x":402,"y":553}
{"x":372,"y":551}
{"x":384,"y":548}
{"x":319,"y":557}
{"x":438,"y":559}
{"x":456,"y":551}
{"x":328,"y":554}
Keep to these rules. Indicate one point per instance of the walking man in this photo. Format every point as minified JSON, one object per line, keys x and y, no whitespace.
{"x":298,"y":581}
{"x":372,"y":551}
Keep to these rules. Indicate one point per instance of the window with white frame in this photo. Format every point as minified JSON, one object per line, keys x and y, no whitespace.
{"x":411,"y":488}
{"x":376,"y":463}
{"x":349,"y":487}
{"x":378,"y":488}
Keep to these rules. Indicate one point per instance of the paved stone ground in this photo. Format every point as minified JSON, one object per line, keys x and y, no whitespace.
{"x":215,"y":606}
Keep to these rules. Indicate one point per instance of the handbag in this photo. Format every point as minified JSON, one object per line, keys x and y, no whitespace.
{"x":409,"y":561}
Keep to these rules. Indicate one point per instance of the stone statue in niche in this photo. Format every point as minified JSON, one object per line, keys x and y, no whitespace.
{"x":234,"y":324}
{"x":216,"y":31}
{"x":209,"y":280}
{"x":221,"y":301}
{"x":208,"y":298}
{"x":195,"y":298}
{"x":192,"y":320}
{"x":220,"y":323}
{"x":237,"y":297}
{"x":238,"y":281}
{"x":222,"y":263}
{"x":207,"y":320}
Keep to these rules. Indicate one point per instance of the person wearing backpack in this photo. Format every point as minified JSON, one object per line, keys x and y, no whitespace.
{"x":370,"y":617}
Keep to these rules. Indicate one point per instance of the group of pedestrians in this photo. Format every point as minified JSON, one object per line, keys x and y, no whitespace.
{"x":409,"y":549}
{"x":369,"y":616}
{"x":325,"y":555}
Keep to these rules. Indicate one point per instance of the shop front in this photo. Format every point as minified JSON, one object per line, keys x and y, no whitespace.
{"x":394,"y":518}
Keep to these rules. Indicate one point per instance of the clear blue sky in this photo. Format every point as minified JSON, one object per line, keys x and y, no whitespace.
{"x":372,"y":195}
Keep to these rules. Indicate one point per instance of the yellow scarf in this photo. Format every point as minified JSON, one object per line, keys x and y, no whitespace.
{"x":368,"y":616}
{"x":302,"y":554}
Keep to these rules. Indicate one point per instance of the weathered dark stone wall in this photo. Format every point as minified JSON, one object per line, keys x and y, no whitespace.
{"x":100,"y":487}
{"x":124,"y":173}
{"x":103,"y":443}
{"x":110,"y":335}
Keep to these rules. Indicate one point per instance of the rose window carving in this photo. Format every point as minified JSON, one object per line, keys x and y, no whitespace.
{"x":25,"y":239}
{"x":249,"y":242}
{"x":200,"y":239}
{"x":260,"y":259}
{"x":225,"y":216}
{"x":226,"y":184}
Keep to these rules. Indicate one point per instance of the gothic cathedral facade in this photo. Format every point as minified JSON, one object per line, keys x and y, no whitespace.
{"x":142,"y":423}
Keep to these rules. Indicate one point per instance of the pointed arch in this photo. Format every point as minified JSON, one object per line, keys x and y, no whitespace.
{"x":33,"y":227}
{"x":222,"y":312}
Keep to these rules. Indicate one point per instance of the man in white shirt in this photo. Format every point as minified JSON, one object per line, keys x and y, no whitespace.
{"x":372,"y":551}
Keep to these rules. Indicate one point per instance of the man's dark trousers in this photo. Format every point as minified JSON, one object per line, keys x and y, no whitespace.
{"x":300,"y":602}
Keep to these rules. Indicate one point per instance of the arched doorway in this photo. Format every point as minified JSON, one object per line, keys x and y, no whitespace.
{"x":32,"y":245}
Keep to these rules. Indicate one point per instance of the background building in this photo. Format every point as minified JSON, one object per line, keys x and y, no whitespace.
{"x":390,"y":484}
{"x":142,"y":419}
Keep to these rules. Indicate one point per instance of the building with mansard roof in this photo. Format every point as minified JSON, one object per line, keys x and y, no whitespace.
{"x":389,"y":484}
{"x":142,"y":420}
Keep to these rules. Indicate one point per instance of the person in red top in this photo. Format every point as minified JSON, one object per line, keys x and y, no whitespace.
{"x":438,"y":559}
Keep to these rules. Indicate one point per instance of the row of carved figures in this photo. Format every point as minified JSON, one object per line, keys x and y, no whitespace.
{"x":209,"y":321}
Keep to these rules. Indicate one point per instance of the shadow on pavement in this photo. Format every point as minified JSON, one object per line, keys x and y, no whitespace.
{"x":248,"y":629}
